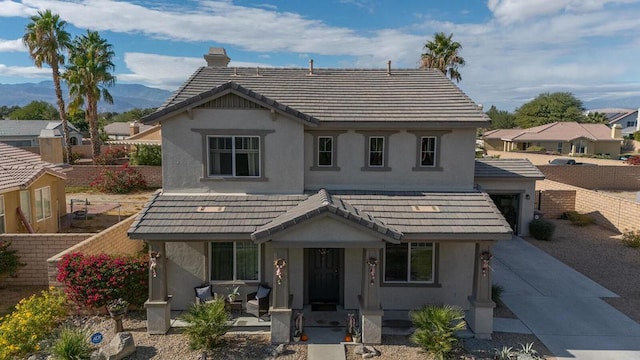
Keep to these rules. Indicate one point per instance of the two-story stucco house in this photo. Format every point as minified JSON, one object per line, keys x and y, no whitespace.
{"x":334,"y":186}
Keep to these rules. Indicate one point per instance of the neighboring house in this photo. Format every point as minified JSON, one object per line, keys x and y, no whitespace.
{"x":566,"y":138}
{"x":628,"y":119}
{"x":25,"y":133}
{"x":333,"y":186}
{"x":124,"y":130}
{"x":152,"y":135}
{"x":32,"y":197}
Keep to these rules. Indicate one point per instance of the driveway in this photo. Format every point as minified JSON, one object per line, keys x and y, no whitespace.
{"x":562,"y":307}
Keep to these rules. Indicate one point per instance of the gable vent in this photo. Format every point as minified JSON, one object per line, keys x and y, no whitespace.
{"x":210,"y":209}
{"x":425,"y":208}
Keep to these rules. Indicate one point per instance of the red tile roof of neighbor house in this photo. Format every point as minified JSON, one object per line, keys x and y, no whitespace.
{"x":557,"y":131}
{"x":19,"y":168}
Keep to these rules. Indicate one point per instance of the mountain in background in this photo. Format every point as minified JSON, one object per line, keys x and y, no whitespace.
{"x":125,"y":96}
{"x":628,"y":102}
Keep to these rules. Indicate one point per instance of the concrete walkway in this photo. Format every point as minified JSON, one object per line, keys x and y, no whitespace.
{"x":562,"y":307}
{"x":325,"y":352}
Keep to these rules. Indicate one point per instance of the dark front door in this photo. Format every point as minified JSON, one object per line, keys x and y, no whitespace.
{"x":324,"y":275}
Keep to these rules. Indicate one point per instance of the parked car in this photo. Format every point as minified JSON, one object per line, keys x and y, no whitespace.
{"x":567,"y":161}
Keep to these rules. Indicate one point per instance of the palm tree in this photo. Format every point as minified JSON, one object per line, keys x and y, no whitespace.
{"x":443,"y":53}
{"x":47,"y":40}
{"x":88,"y":72}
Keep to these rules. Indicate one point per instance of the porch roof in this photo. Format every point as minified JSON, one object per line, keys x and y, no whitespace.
{"x":507,"y":168}
{"x":395,"y":215}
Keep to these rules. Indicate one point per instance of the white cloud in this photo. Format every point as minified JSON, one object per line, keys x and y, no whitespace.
{"x":509,"y":11}
{"x":12,"y":8}
{"x":12,"y":45}
{"x":31,"y":72}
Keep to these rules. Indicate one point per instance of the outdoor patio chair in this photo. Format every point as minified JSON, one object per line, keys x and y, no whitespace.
{"x":204,"y":294}
{"x":258,"y":301}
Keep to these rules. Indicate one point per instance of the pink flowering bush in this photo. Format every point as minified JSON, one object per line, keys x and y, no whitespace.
{"x":120,"y":181}
{"x":96,"y":280}
{"x":111,"y":156}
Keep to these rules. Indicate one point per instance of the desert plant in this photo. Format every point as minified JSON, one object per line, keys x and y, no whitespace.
{"x":631,"y":238}
{"x":577,"y":219}
{"x":527,"y":352}
{"x":496,"y":293}
{"x":9,"y":260}
{"x":96,"y":280}
{"x":542,"y":229}
{"x":31,"y":322}
{"x":71,"y":344}
{"x":436,"y":327}
{"x":505,"y":353}
{"x":122,"y":180}
{"x":207,"y":324}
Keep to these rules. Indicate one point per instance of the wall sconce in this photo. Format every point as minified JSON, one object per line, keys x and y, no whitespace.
{"x":527,"y":197}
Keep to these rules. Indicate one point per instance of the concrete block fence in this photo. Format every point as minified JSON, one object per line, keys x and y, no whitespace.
{"x":83,"y":175}
{"x":625,"y":177}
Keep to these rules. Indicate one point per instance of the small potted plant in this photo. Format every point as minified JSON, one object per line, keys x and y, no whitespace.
{"x":234,"y":292}
{"x":357,"y":335}
{"x":117,"y":307}
{"x":296,"y":335}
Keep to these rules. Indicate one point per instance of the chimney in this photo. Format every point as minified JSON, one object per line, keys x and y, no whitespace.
{"x":616,"y":131}
{"x":389,"y":68}
{"x":51,"y":149}
{"x":311,"y":67}
{"x":134,"y":128}
{"x":217,"y":57}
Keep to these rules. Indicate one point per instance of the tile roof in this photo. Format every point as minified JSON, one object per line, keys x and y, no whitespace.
{"x":18,"y":168}
{"x":343,"y":95}
{"x":443,"y":215}
{"x":28,"y":127}
{"x":557,"y":131}
{"x":507,"y":168}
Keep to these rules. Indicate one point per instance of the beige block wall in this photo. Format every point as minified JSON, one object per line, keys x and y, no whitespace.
{"x":112,"y":241}
{"x":34,"y":250}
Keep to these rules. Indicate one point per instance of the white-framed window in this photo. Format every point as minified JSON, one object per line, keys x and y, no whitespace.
{"x":234,"y":261}
{"x":3,"y":227}
{"x":234,"y":156}
{"x":325,"y":151}
{"x":25,"y":204}
{"x":428,"y":151}
{"x":376,"y":151}
{"x":631,"y":123}
{"x":43,"y":203}
{"x":580,"y":147}
{"x":409,"y":263}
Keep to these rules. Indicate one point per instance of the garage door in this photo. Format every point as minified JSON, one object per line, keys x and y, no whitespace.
{"x":508,"y":204}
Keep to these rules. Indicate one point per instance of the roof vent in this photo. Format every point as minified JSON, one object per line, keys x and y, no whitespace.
{"x":425,"y":208}
{"x":257,"y":70}
{"x":217,"y":57}
{"x":310,"y":66}
{"x":210,"y":209}
{"x":389,"y":68}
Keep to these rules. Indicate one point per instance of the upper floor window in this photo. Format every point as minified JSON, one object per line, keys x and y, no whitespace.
{"x":235,"y":261}
{"x":409,"y":263}
{"x":325,"y":150}
{"x":25,"y":204}
{"x":3,"y":229}
{"x":234,"y":155}
{"x":376,"y":151}
{"x":631,"y":123}
{"x":429,"y":145}
{"x":43,"y":203}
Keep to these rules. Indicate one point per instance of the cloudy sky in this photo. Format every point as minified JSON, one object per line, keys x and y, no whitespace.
{"x":514,"y":49}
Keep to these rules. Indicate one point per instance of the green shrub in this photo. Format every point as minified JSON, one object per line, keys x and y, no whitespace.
{"x":436,"y":327}
{"x":96,"y":280}
{"x":146,"y":155}
{"x":9,"y":260}
{"x":71,"y":344}
{"x":542,"y":229}
{"x":631,"y":238}
{"x":207,"y":323}
{"x":535,"y":149}
{"x":122,"y":180}
{"x":496,"y":292}
{"x":31,"y":322}
{"x":577,"y":219}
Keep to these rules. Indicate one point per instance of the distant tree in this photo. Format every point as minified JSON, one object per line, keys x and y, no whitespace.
{"x":47,"y":40}
{"x":501,"y":119}
{"x":596,"y":118}
{"x":547,"y":108}
{"x":131,"y":115}
{"x":443,"y":53}
{"x":88,"y":74}
{"x":77,"y":118}
{"x":6,"y":110}
{"x":35,"y":110}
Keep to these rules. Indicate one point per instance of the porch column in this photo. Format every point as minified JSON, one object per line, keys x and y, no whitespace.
{"x":370,"y":309}
{"x":480,"y":317}
{"x":280,"y":309}
{"x":158,"y":307}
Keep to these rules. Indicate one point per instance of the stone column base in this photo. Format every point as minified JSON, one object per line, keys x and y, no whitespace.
{"x":280,"y":326}
{"x":480,"y":318}
{"x":371,"y":323}
{"x":158,"y":317}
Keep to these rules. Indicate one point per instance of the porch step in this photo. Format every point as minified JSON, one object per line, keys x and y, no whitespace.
{"x":325,"y":352}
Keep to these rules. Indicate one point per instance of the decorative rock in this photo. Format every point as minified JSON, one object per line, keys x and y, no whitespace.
{"x":121,"y":345}
{"x":360,"y":349}
{"x":372,"y":350}
{"x":278,"y":350}
{"x":368,"y":355}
